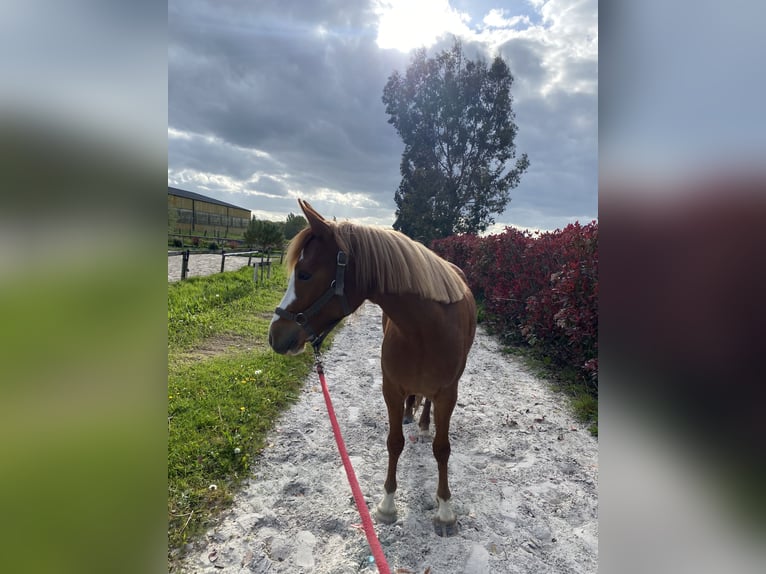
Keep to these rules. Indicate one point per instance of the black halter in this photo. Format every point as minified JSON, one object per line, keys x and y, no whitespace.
{"x":336,"y":288}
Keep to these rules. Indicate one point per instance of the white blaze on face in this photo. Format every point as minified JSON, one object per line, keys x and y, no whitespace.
{"x":290,"y":294}
{"x":289,"y":297}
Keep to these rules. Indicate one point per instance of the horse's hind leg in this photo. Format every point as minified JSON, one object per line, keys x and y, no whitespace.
{"x":425,"y":417}
{"x":386,"y":509}
{"x":409,"y":408}
{"x":445,"y":521}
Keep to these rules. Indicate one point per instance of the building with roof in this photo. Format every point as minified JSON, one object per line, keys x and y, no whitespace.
{"x":194,"y":214}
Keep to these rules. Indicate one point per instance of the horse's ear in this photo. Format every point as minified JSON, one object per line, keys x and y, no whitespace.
{"x":318,"y":223}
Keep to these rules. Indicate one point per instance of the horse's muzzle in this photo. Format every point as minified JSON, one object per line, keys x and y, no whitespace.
{"x":288,"y":342}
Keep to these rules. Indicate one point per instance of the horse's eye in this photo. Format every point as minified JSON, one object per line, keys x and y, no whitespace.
{"x":303,"y":276}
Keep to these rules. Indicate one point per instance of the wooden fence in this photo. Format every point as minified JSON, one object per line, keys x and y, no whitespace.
{"x":263,"y":264}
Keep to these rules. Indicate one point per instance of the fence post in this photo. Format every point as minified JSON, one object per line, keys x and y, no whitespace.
{"x":184,"y":264}
{"x":223,"y":259}
{"x":261,"y":266}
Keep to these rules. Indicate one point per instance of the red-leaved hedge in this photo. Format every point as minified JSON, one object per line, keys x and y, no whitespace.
{"x":539,"y":289}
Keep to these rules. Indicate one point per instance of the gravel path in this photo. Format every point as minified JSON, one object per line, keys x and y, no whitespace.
{"x":523,"y":476}
{"x":203,"y":264}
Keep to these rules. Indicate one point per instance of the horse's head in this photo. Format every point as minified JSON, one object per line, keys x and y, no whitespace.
{"x":317,"y":293}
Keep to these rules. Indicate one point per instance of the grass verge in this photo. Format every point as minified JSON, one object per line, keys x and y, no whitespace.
{"x":226,"y":388}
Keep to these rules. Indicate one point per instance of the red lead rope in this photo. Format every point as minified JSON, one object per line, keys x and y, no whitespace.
{"x":369,"y":528}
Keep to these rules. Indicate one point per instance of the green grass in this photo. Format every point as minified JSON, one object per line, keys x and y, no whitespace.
{"x":201,"y":307}
{"x":226,"y":387}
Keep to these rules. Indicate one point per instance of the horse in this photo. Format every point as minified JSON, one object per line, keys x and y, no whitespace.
{"x":429,"y":323}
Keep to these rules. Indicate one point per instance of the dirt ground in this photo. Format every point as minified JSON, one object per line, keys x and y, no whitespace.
{"x":523,"y":475}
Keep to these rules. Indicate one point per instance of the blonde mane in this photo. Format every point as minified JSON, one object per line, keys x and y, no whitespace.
{"x":387,"y":261}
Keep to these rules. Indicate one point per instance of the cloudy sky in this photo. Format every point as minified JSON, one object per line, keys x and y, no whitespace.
{"x":278,"y":99}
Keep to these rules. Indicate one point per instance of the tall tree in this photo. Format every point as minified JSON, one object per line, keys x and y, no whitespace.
{"x":455,"y":118}
{"x":293,"y":224}
{"x":263,"y":234}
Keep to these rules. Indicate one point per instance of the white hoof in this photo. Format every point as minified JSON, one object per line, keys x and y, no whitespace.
{"x":385,"y":512}
{"x":445,"y":521}
{"x":444,"y":513}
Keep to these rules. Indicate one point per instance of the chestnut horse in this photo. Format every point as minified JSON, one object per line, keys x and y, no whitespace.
{"x":429,"y":324}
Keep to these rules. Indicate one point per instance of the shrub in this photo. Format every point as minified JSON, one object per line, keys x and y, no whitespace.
{"x":177,"y":242}
{"x":212,"y":246}
{"x":539,"y":290}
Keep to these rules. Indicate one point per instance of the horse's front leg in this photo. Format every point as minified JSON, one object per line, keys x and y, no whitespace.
{"x":386,"y":510}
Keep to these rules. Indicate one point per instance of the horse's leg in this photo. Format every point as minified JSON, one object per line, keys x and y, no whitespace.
{"x":425,"y":417}
{"x":386,"y":509}
{"x":409,"y":407}
{"x":445,"y":521}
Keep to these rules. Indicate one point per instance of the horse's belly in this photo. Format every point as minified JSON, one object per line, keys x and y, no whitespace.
{"x":420,"y":370}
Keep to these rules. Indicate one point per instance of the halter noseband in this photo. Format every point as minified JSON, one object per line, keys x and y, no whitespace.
{"x":336,"y":288}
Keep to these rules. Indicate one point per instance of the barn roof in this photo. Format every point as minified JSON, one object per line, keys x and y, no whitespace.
{"x":200,"y":197}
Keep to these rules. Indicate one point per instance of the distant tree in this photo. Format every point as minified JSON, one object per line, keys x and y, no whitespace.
{"x":250,"y":236}
{"x":454,"y":116}
{"x":293,"y":224}
{"x":263,"y":234}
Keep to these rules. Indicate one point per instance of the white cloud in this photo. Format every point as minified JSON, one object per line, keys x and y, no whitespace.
{"x":565,"y":42}
{"x":408,"y":24}
{"x":496,"y":19}
{"x":350,"y":199}
{"x":203,"y":181}
{"x":215,"y":141}
{"x":499,"y":228}
{"x":208,"y":182}
{"x":564,"y":38}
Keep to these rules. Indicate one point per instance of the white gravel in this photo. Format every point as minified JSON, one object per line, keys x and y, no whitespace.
{"x":523,"y":476}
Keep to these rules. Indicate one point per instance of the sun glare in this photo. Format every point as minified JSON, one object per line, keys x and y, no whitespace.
{"x":407,"y":24}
